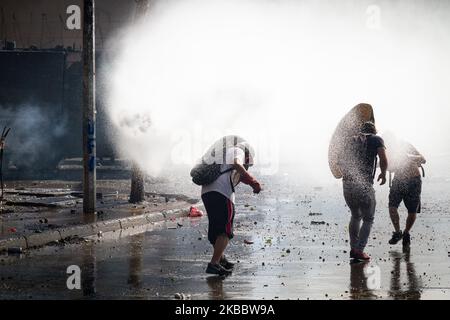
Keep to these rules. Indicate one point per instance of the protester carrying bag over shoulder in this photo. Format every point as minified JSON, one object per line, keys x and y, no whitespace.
{"x":219,"y":171}
{"x":213,"y":164}
{"x":358,"y":164}
{"x":406,"y":163}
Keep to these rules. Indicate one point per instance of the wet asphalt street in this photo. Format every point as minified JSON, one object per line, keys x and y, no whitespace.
{"x":299,"y":251}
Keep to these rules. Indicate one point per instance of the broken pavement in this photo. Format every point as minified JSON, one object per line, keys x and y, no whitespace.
{"x":37,"y":213}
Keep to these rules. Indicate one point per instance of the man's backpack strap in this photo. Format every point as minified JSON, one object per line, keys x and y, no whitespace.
{"x":390,"y":179}
{"x":423,"y":171}
{"x":227,"y":170}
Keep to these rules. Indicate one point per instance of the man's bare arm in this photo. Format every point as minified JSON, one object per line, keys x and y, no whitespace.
{"x":239,"y":167}
{"x":246,"y":177}
{"x":383,"y":165}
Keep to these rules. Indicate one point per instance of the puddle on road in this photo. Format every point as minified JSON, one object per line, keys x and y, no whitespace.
{"x":290,"y":258}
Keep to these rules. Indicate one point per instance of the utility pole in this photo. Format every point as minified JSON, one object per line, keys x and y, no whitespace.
{"x":137,"y":193}
{"x":89,"y":148}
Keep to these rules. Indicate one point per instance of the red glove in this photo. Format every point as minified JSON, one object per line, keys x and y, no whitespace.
{"x":247,"y":179}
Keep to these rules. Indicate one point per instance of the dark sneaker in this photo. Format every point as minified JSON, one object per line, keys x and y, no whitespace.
{"x":217,"y":269}
{"x":406,"y":240}
{"x":226,"y":264}
{"x":396,"y":237}
{"x":359,"y":255}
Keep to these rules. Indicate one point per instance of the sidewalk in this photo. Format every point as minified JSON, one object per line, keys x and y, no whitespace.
{"x":35,"y":213}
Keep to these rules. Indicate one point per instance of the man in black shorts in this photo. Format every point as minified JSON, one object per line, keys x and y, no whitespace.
{"x":405,"y":162}
{"x":218,"y":198}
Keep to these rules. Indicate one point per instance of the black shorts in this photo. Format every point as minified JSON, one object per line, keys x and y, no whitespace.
{"x":220,"y":212}
{"x":409,"y":191}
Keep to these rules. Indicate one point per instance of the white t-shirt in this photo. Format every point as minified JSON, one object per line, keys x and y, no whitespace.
{"x":224,"y":183}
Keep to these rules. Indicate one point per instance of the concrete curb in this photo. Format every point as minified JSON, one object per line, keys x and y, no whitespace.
{"x":33,"y":240}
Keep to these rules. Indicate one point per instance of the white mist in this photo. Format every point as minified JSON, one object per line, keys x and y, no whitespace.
{"x":280,"y":73}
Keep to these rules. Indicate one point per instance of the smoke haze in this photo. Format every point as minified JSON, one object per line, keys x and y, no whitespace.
{"x":34,"y":136}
